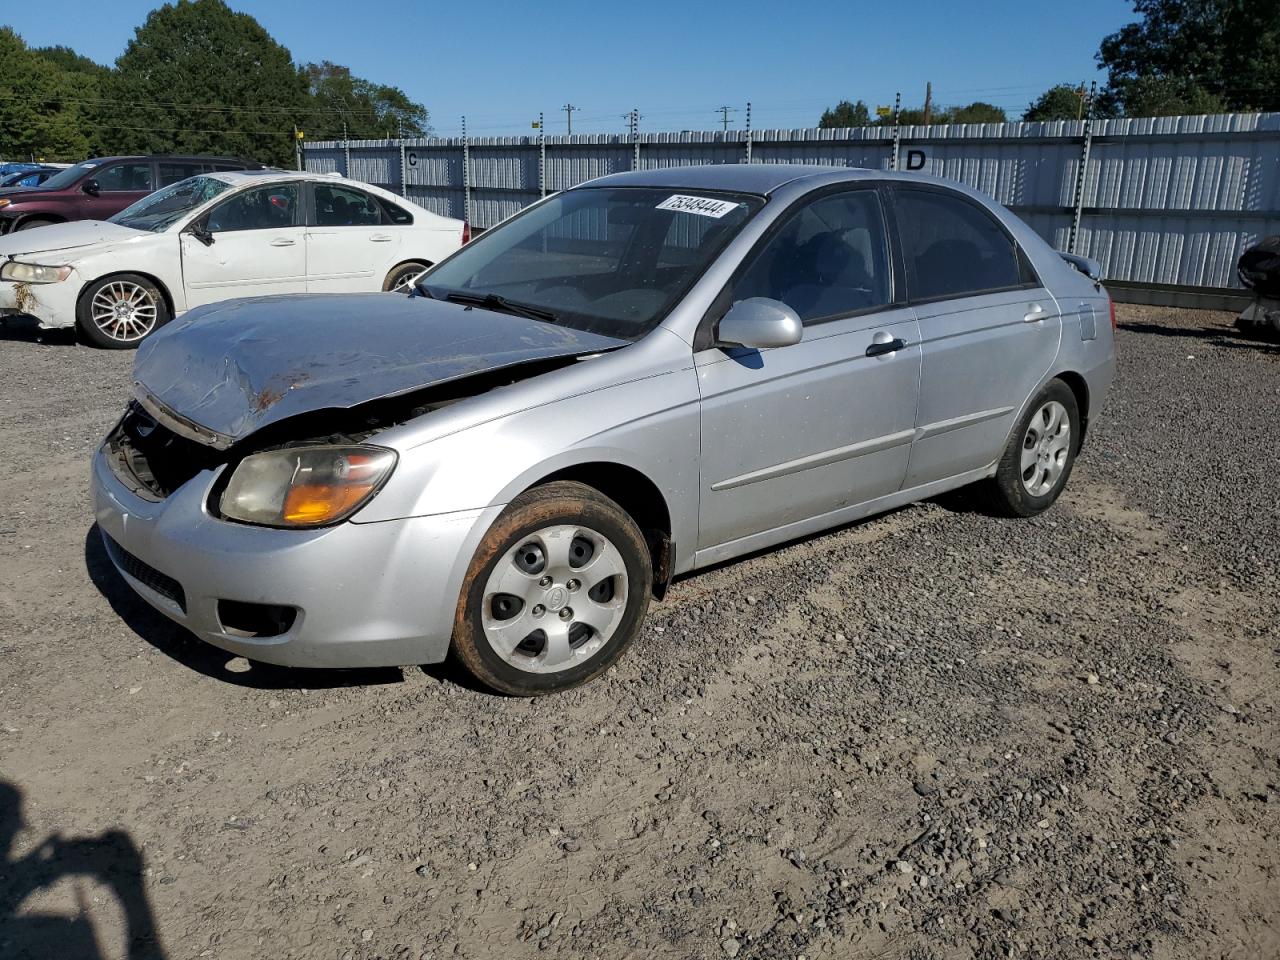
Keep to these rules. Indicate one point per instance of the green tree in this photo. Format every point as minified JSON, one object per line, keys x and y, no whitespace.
{"x":40,"y":110}
{"x":846,"y":114}
{"x":69,"y":61}
{"x":370,"y":110}
{"x":1195,"y":56}
{"x":198,"y":77}
{"x":1060,"y":102}
{"x":976,"y":112}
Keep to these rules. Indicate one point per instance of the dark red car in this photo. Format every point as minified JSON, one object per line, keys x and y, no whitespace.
{"x":97,"y":189}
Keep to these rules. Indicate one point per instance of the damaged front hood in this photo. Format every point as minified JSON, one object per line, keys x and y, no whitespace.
{"x":222,"y":372}
{"x":57,"y":237}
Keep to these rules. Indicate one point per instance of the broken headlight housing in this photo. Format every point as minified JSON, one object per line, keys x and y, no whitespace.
{"x":33,"y":272}
{"x":307,"y":486}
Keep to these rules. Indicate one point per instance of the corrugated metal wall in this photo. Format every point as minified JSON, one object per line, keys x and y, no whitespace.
{"x":1164,"y":200}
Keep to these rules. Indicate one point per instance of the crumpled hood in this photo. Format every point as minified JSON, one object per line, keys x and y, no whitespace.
{"x":56,"y":237}
{"x":235,"y":367}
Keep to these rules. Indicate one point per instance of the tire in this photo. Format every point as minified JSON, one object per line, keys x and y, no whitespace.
{"x":103,"y":321}
{"x":32,"y":224}
{"x":511,"y":631}
{"x":402,"y":276}
{"x":1038,"y":458}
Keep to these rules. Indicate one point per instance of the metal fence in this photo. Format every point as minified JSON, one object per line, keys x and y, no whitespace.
{"x":1165,"y":203}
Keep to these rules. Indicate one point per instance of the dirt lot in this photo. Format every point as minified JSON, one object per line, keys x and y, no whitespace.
{"x":932,"y":735}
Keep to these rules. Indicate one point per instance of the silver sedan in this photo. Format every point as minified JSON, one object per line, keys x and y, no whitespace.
{"x":627,"y":381}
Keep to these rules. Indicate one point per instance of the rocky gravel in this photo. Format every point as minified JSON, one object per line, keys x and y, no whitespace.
{"x":934,"y":735}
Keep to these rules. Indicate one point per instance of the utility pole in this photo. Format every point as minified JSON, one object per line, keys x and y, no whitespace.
{"x":1080,"y":105}
{"x":724,"y":115}
{"x":928,"y":102}
{"x":568,"y":108}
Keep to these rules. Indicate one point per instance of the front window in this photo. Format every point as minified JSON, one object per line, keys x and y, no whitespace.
{"x":166,"y":207}
{"x":262,"y":208}
{"x":125,"y":178}
{"x":612,"y":261}
{"x":69,"y":176}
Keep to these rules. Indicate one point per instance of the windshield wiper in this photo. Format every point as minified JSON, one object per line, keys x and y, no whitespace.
{"x":493,"y":301}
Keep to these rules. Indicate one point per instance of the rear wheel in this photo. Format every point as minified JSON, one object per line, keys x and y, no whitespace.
{"x":400,"y":280}
{"x":555,"y":593}
{"x":119,"y":312}
{"x":1041,"y":452}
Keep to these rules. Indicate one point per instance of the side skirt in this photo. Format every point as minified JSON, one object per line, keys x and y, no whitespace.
{"x":836,"y":518}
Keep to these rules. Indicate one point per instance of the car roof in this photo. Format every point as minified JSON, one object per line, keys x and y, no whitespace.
{"x":758,"y":178}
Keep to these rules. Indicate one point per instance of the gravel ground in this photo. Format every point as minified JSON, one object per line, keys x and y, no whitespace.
{"x":931,"y":735}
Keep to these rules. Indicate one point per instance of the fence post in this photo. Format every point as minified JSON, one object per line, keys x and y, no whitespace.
{"x":897,"y":128}
{"x":346,"y":151}
{"x":466,"y":173}
{"x":542,"y":155}
{"x":748,"y":160}
{"x":1077,"y":204}
{"x":635,"y":138}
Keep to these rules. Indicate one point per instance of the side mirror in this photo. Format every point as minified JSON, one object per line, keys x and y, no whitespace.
{"x":200,"y":231}
{"x":92,"y":188}
{"x":760,"y":323}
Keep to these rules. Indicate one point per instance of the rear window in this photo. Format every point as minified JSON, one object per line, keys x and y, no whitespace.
{"x":953,"y":248}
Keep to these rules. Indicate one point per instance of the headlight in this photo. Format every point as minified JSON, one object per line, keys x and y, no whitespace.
{"x":305,"y":486}
{"x":33,"y":273}
{"x":5,"y":201}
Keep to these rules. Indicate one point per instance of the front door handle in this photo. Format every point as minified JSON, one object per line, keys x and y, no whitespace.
{"x":1034,"y":315}
{"x":883,"y":343}
{"x":381,"y":237}
{"x":283,"y":242}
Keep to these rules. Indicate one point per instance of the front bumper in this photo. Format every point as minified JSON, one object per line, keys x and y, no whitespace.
{"x":53,"y":304}
{"x":366,"y":594}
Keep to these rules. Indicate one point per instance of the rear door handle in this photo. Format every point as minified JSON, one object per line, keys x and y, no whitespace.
{"x":1035,"y":314}
{"x":879,"y":347}
{"x":380,"y":237}
{"x":283,"y":242}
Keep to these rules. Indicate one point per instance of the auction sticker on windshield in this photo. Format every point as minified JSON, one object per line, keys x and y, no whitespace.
{"x":702,"y":206}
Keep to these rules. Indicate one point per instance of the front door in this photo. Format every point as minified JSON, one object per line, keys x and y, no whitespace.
{"x":119,"y":185}
{"x":989,"y":332}
{"x":802,"y":432}
{"x":351,"y":242}
{"x":258,"y":247}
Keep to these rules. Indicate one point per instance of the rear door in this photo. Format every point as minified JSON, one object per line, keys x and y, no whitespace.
{"x":351,"y":241}
{"x":119,"y":184}
{"x":258,"y":246}
{"x":988,"y":330}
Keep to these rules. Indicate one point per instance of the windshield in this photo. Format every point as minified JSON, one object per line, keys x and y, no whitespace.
{"x":162,"y":209}
{"x":611,"y":261}
{"x":69,"y":176}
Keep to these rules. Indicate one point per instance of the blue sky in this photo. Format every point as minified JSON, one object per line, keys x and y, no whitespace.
{"x":501,"y":62}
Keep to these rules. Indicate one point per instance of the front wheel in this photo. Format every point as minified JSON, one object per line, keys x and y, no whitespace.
{"x":120,"y":312}
{"x":1040,"y":454}
{"x":555,"y":594}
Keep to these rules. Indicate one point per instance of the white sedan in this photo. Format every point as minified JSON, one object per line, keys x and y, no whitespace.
{"x":215,"y":237}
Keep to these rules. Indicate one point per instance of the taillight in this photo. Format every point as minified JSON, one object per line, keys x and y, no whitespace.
{"x":1112,"y":304}
{"x":466,"y":238}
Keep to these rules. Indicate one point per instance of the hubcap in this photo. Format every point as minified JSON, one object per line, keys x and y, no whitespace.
{"x":1045,"y":448}
{"x":405,"y":282}
{"x":124,"y":311}
{"x":554,"y":599}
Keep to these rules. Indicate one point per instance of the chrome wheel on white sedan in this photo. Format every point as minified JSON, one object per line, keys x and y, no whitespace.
{"x":119,"y":312}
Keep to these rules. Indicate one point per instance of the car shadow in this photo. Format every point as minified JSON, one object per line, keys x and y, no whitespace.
{"x":1232,"y":337}
{"x":112,"y":858}
{"x":24,"y":328}
{"x":190,"y":651}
